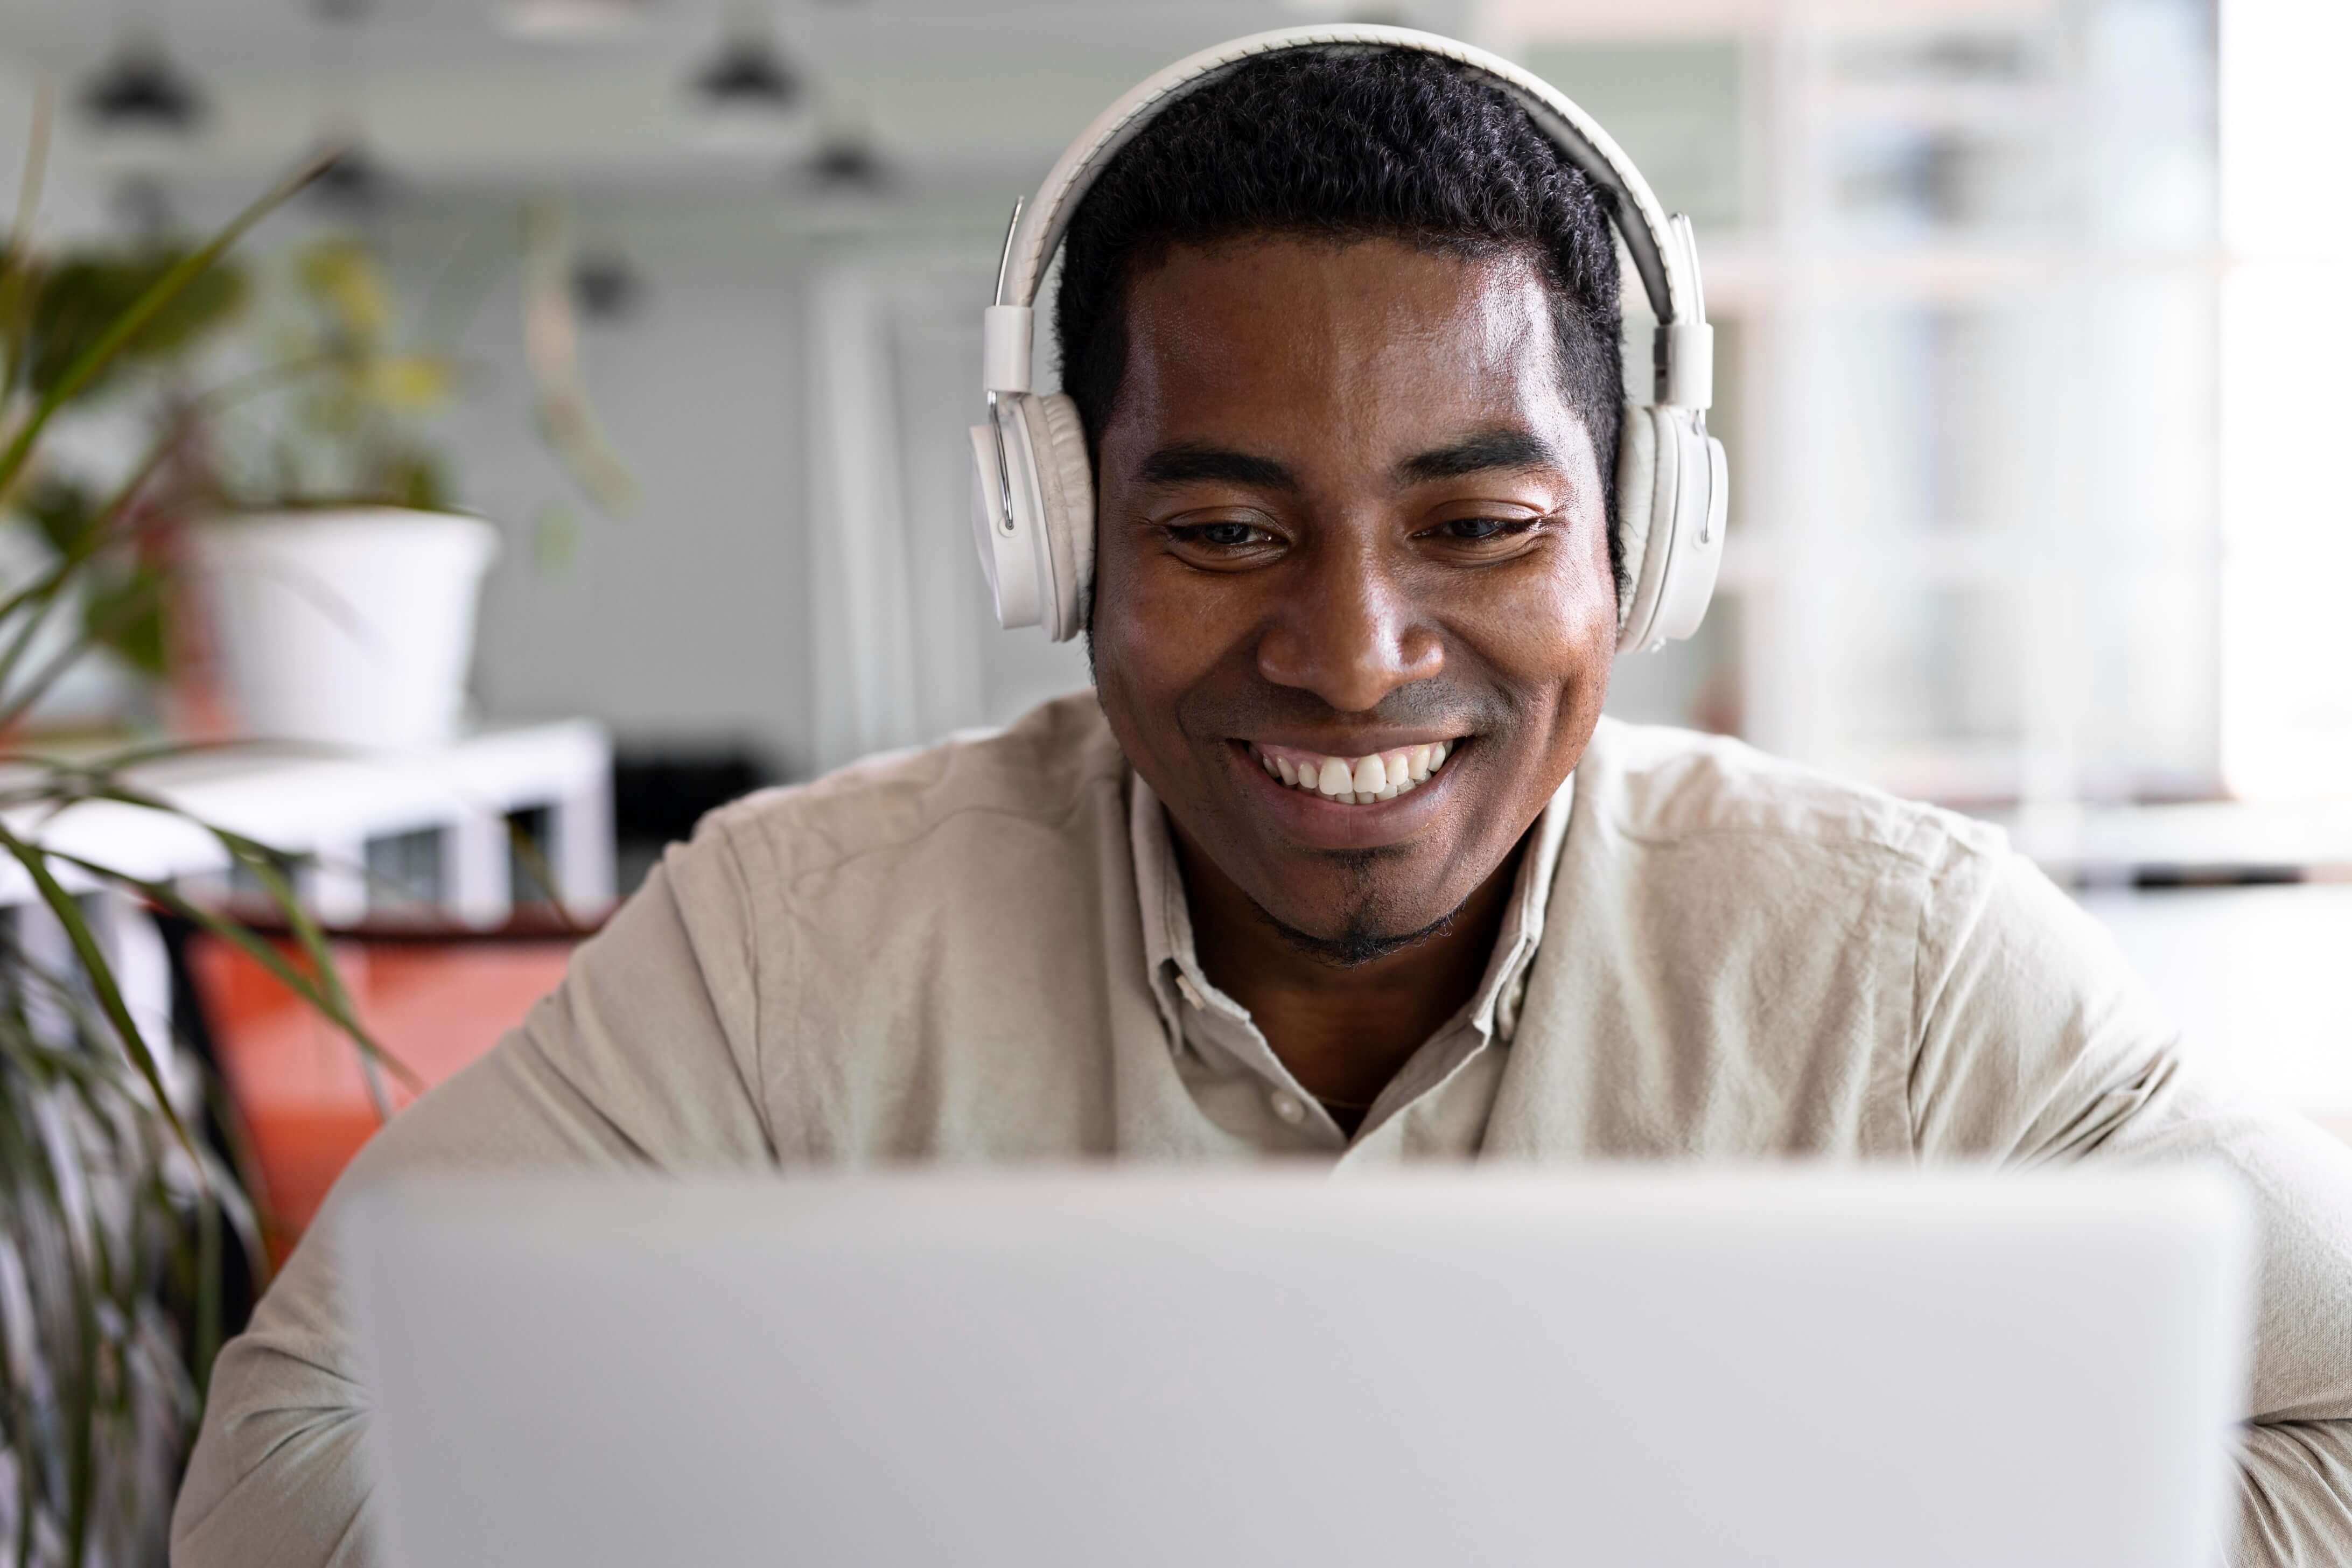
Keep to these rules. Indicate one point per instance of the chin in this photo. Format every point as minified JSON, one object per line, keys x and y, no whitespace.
{"x":1363,"y":936}
{"x":1350,"y":906}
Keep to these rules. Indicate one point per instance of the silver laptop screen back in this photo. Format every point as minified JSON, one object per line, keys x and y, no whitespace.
{"x":1697,"y":1369}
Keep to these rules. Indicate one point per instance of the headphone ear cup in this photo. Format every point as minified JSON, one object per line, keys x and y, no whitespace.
{"x":1001,"y":528}
{"x":1671,"y":477}
{"x":1637,"y":484}
{"x":1701,"y":491}
{"x":1066,"y":489}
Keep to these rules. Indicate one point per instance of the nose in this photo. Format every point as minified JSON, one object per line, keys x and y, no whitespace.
{"x":1350,"y":634}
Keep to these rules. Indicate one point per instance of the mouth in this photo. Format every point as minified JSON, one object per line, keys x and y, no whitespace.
{"x":1367,"y":780}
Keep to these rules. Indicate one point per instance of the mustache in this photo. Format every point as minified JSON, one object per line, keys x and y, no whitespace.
{"x":1259,"y":705}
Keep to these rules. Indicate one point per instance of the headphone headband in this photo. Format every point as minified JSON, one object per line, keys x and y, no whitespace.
{"x":1033,"y":483}
{"x":1663,"y":252}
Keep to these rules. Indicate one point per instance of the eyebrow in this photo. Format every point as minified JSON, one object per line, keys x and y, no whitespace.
{"x":1186,"y":462}
{"x":1488,"y":449}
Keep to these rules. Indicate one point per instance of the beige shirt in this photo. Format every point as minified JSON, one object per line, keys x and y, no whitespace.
{"x":1436,"y":1106}
{"x":980,"y":951}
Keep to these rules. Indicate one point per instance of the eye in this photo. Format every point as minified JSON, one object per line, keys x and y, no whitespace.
{"x":1226,"y":543}
{"x":1478,"y":530}
{"x":1221,"y":540}
{"x":1223,"y":535}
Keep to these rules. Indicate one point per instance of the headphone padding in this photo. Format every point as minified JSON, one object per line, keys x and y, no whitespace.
{"x":1637,"y":483}
{"x":1065,"y":485}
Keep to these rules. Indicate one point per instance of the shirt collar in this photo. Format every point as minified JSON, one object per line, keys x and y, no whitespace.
{"x":1174,"y":964}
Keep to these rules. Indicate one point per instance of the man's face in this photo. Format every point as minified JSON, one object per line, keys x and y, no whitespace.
{"x":1345,"y":511}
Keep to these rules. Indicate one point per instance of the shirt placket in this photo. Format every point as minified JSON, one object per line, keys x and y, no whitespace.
{"x":1233,"y":1059}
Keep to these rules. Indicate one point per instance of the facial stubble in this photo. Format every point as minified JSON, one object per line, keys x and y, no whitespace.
{"x":1363,"y":934}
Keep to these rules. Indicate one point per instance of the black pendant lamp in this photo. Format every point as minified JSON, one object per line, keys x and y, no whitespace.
{"x":141,"y":90}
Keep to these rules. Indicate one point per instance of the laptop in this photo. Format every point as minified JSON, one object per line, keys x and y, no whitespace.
{"x":1714,"y":1366}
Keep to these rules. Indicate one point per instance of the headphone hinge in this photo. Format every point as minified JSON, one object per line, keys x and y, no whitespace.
{"x":1004,"y":338}
{"x":1685,"y":362}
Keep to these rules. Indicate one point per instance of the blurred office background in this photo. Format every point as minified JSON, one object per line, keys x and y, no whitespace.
{"x":2032,"y":339}
{"x":2031,"y":325}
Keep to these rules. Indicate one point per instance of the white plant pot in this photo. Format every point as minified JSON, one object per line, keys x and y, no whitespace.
{"x":349,"y":627}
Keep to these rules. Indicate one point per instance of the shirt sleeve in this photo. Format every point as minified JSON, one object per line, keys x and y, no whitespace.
{"x":2037,"y":1043}
{"x":644,"y":1055}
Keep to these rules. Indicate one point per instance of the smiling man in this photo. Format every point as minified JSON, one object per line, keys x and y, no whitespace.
{"x":1355,"y":600}
{"x":1339,"y":859}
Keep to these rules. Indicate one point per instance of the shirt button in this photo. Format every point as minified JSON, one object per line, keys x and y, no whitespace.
{"x":1190,"y":992}
{"x":1288,"y":1106}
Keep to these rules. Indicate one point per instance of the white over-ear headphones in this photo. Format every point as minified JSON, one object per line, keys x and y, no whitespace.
{"x":1033,"y":497}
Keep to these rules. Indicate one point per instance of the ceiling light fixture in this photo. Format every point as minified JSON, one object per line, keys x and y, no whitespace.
{"x":355,"y":182}
{"x":606,"y":287}
{"x":748,"y":97}
{"x":849,"y":162}
{"x":139,"y":89}
{"x":749,"y":73}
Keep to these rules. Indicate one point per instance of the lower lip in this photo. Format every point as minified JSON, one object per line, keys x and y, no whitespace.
{"x":1329,"y":825}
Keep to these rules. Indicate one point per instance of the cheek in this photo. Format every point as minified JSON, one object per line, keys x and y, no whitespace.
{"x":1152,"y":643}
{"x":1550,"y":637}
{"x":1174,"y":622}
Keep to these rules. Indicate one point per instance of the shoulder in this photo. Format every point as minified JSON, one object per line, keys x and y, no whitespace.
{"x":1028,"y":783}
{"x":1658,"y":787}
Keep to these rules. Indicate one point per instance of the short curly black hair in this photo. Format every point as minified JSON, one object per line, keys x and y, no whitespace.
{"x":1348,"y":143}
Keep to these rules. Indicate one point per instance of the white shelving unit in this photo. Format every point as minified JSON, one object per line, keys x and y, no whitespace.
{"x":426,"y":834}
{"x":1964,"y":270}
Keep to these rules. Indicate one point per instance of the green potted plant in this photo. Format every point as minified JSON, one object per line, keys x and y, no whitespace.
{"x":58,"y":308}
{"x":339,"y":581}
{"x":114,"y":1214}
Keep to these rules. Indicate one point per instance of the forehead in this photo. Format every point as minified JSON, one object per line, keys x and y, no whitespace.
{"x":1295,"y":343}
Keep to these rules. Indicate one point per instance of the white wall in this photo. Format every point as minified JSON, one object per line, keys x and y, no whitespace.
{"x":711,"y":613}
{"x":70,"y":201}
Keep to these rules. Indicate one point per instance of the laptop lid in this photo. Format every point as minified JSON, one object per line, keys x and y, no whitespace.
{"x":1711,"y":1367}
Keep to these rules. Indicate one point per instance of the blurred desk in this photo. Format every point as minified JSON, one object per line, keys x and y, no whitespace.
{"x":453,"y":839}
{"x":2240,"y":919}
{"x":431,"y":830}
{"x":2207,"y":842}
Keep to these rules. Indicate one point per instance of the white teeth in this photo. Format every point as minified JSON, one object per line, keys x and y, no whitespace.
{"x":1360,"y":781}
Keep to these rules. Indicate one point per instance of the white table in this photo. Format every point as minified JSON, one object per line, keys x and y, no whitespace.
{"x":449,"y":811}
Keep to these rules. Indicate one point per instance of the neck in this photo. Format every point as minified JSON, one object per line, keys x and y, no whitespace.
{"x":1342,"y":1031}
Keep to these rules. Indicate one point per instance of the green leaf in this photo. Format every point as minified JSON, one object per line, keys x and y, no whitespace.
{"x":313,"y":942}
{"x":124,"y":614}
{"x":62,"y":510}
{"x":81,"y":297}
{"x":93,"y":360}
{"x":99,"y":972}
{"x":329,"y":1002}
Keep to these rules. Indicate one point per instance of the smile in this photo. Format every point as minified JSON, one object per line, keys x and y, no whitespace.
{"x":1355,"y":780}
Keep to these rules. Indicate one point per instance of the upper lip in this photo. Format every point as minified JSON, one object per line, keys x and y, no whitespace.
{"x":1363,"y":746}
